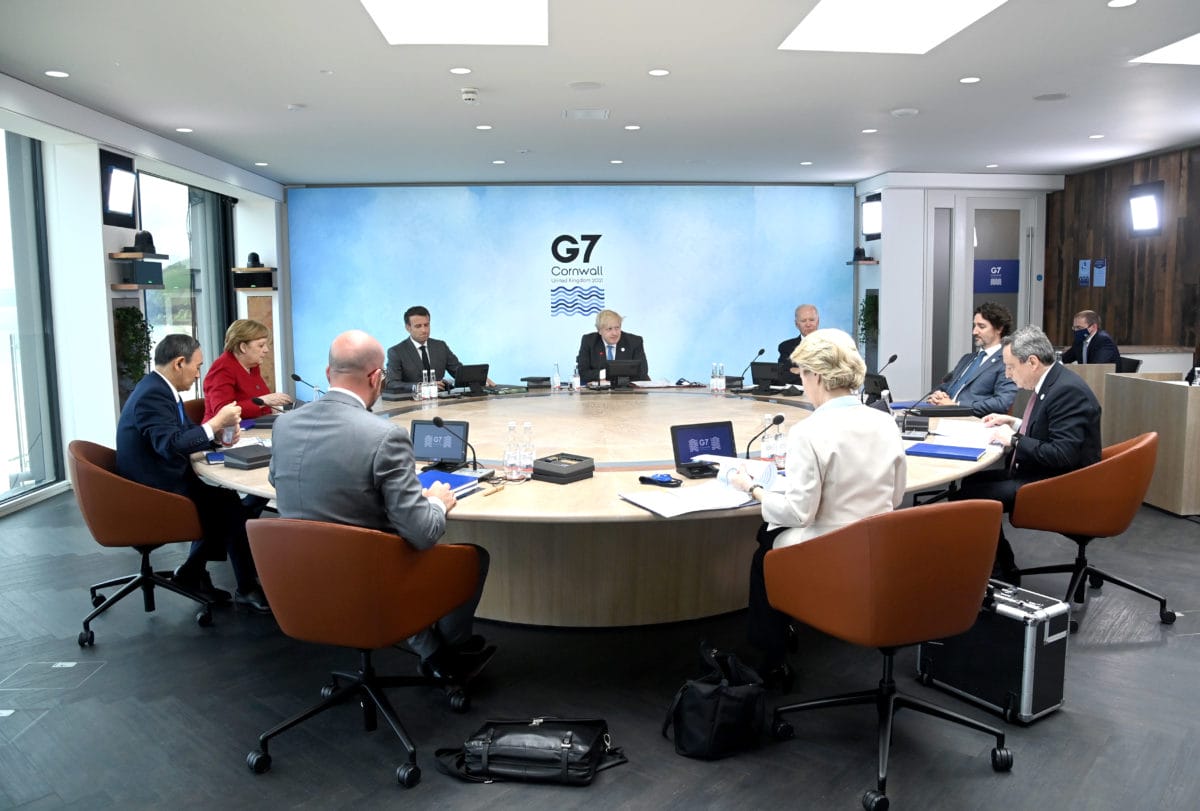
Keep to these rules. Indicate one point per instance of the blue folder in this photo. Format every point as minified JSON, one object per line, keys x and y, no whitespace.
{"x":460,"y":485}
{"x":937,"y":451}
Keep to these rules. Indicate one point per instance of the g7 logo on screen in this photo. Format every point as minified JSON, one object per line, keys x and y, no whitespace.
{"x":571,"y":253}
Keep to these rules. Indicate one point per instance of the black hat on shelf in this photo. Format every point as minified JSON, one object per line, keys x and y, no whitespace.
{"x":143,"y":242}
{"x":252,"y":261}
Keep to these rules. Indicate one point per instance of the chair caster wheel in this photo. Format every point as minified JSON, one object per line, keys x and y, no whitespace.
{"x":97,"y":600}
{"x":259,"y":762}
{"x":329,"y":689}
{"x":204,"y":617}
{"x":88,"y":638}
{"x":1002,"y":759}
{"x":408,"y":775}
{"x":1073,"y":626}
{"x":1167,"y":617}
{"x":924,"y":679}
{"x":1095,"y":581}
{"x":875,"y":801}
{"x":459,"y":701}
{"x":782,"y":731}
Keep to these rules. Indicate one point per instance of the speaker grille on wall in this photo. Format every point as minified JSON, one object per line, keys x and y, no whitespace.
{"x":244,"y":279}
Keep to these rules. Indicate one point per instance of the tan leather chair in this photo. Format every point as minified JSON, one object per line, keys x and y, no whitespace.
{"x":1098,"y":501}
{"x":120,"y":512}
{"x":194,"y":409}
{"x":891,"y":580}
{"x":357,"y":588}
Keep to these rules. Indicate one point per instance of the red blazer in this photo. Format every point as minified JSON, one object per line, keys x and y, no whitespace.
{"x":228,"y":380}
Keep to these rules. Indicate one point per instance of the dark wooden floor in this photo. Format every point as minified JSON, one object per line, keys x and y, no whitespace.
{"x":162,"y":713}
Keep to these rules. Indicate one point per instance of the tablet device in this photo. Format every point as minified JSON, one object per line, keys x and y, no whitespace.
{"x":690,"y":441}
{"x":434,"y":446}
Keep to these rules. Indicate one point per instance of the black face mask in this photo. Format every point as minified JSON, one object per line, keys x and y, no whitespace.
{"x":1081,"y":334}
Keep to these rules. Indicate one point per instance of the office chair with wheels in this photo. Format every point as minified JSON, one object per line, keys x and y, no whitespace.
{"x":1098,"y":501}
{"x":895,"y":579}
{"x":120,"y":512}
{"x":194,"y":410}
{"x":357,"y":588}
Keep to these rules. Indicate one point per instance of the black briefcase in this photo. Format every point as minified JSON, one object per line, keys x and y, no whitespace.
{"x":1013,"y":660}
{"x":538,"y":750}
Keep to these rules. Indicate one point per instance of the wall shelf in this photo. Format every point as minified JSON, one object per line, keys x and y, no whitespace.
{"x":123,"y":287}
{"x":863,"y":262}
{"x":129,"y":255}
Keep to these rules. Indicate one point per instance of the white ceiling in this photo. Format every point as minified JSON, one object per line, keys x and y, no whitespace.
{"x":733,"y":109}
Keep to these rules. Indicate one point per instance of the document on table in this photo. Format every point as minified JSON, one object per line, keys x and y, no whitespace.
{"x":711,"y":495}
{"x":968,"y":433}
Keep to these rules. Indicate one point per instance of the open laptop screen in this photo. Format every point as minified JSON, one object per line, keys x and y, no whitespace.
{"x":689,"y":441}
{"x":433,"y":444}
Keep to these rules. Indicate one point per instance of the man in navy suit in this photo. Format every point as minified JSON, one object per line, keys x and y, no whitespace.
{"x":978,"y":380}
{"x":1059,"y":431}
{"x":607,"y":343}
{"x":807,"y":320}
{"x":1090,"y":344}
{"x":155,"y":441}
{"x":407,"y":359}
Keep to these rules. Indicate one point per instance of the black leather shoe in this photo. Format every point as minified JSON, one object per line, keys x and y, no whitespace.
{"x":198,"y":581}
{"x":781,"y":678}
{"x":474,"y":644}
{"x":453,"y":666}
{"x":253,"y":599}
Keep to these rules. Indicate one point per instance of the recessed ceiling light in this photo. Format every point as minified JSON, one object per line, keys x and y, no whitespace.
{"x":1051,"y":97}
{"x":970,"y":80}
{"x":499,"y":163}
{"x":261,"y":163}
{"x":58,"y":74}
{"x":1184,"y":52}
{"x":616,"y":162}
{"x":884,"y":26}
{"x":466,"y":22}
{"x":326,"y":72}
{"x":483,"y":126}
{"x":806,"y":163}
{"x":992,"y":166}
{"x":584,"y":85}
{"x":1096,"y":137}
{"x":633,"y":127}
{"x":869,"y":131}
{"x":659,"y":72}
{"x":184,"y":129}
{"x":905,"y":112}
{"x":460,"y":71}
{"x":296,"y":107}
{"x":1120,"y":3}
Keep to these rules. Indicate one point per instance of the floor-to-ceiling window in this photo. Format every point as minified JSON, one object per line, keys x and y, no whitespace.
{"x":28,"y":431}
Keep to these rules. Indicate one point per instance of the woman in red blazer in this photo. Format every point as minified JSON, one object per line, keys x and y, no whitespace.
{"x":235,"y":375}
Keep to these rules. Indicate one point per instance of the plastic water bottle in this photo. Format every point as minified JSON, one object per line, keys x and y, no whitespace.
{"x":721,"y":378}
{"x":575,"y":378}
{"x":1058,"y":356}
{"x":512,"y":454}
{"x":780,"y":449}
{"x":766,"y":451}
{"x":1196,"y":376}
{"x":422,"y":387}
{"x":556,"y":380}
{"x":712,"y":379}
{"x":527,"y":453}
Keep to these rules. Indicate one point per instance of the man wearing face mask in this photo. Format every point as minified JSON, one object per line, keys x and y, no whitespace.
{"x":1090,"y":344}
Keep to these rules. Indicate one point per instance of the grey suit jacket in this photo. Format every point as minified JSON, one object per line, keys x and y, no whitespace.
{"x":988,"y":391}
{"x":404,"y":364}
{"x":332,"y":460}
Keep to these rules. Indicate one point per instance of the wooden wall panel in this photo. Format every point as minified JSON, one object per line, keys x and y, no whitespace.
{"x":1152,"y":295}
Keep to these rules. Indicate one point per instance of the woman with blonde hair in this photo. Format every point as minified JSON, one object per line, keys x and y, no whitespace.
{"x":235,"y":375}
{"x":845,"y":462}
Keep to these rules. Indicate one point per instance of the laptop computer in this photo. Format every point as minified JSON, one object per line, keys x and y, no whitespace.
{"x":435,"y":447}
{"x":690,"y":441}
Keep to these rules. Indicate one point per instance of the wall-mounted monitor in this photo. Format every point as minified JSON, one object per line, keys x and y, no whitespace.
{"x":872,"y":216}
{"x":118,"y":190}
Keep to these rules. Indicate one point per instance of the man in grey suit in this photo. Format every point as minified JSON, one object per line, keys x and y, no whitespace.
{"x":978,"y":380}
{"x":333,"y":460}
{"x":407,"y":359}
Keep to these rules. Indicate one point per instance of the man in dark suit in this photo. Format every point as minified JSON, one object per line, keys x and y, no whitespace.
{"x":807,"y":320}
{"x":155,"y":441}
{"x":407,"y":359}
{"x":1059,"y":431}
{"x":1090,"y":344}
{"x":335,"y":461}
{"x":607,"y":343}
{"x":978,"y":380}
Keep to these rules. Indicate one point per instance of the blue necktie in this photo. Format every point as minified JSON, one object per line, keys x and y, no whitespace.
{"x":966,"y":376}
{"x":611,"y":350}
{"x":182,"y":417}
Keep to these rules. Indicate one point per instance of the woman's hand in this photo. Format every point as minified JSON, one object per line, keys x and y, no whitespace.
{"x":740,"y":480}
{"x":278,"y":399}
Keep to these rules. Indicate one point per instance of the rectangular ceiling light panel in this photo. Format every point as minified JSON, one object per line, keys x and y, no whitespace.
{"x":1184,"y":52}
{"x":885,"y":26}
{"x":461,"y":22}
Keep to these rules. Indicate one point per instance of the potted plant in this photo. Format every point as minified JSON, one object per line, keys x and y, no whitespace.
{"x":132,"y":334}
{"x":868,"y":326}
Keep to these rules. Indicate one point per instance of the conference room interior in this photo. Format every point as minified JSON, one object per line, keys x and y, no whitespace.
{"x":707,"y":264}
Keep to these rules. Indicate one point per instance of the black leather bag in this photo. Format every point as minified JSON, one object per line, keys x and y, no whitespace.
{"x":539,"y":750}
{"x":720,"y":713}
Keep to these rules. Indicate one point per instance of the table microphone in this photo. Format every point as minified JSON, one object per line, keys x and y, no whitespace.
{"x":751,"y":363}
{"x":299,"y":379}
{"x":778,"y":420}
{"x":441,"y":423}
{"x":890,"y":361}
{"x":258,"y":401}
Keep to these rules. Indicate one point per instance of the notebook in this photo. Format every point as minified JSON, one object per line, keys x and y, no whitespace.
{"x":938,"y":451}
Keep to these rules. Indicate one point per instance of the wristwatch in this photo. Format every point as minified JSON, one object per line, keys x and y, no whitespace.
{"x":1015,"y":439}
{"x":754,"y":487}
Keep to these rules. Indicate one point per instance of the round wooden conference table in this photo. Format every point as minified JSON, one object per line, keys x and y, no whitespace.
{"x":578,"y":555}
